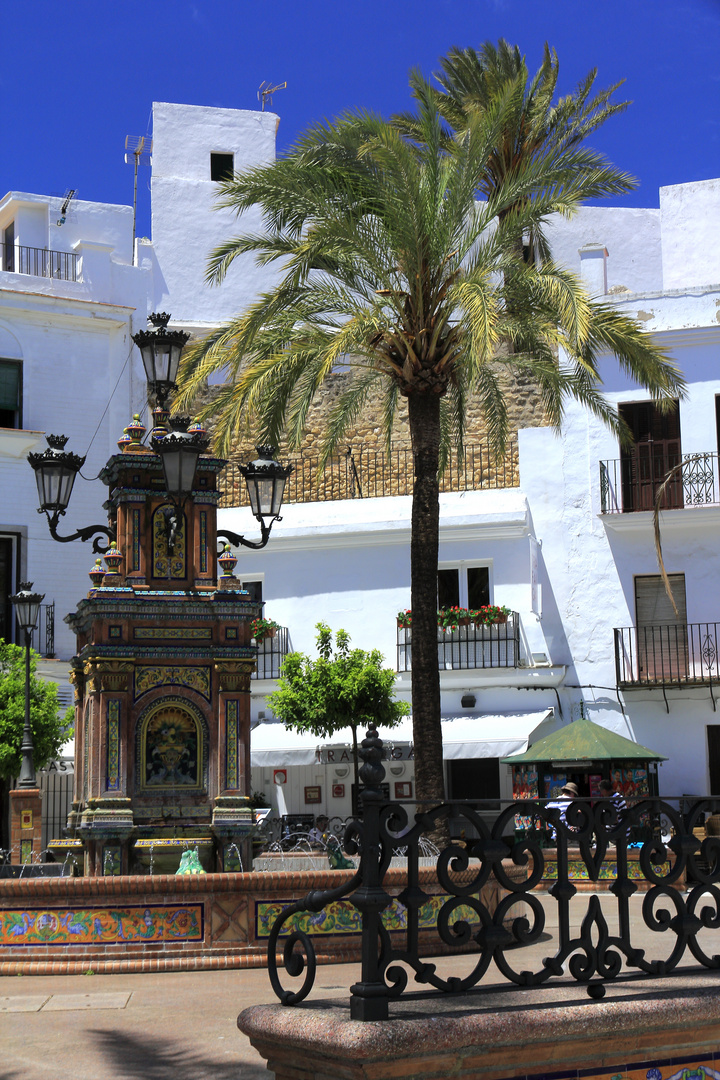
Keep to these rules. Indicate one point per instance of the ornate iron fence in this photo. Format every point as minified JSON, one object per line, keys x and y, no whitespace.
{"x":43,"y":636}
{"x":588,"y":950}
{"x":40,"y":262}
{"x":661,"y":655}
{"x":496,"y":646}
{"x":271,"y":652}
{"x":627,"y":485}
{"x":365,"y":474}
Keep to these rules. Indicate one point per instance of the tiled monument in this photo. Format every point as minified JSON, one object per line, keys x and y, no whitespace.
{"x":164,"y":648}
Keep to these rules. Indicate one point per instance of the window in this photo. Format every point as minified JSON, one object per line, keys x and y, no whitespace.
{"x":662,"y":635}
{"x":475,"y":778}
{"x":8,"y":262}
{"x":222,"y":166}
{"x":10,"y":394}
{"x":656,"y":449}
{"x":255,"y":590}
{"x":463,"y":586}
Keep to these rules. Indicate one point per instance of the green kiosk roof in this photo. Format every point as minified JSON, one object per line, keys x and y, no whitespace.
{"x":584,"y":741}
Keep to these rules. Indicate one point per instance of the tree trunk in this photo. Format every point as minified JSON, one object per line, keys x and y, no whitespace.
{"x":424,"y":421}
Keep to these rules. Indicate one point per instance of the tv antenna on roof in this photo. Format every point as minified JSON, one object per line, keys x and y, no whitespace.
{"x":68,"y":197}
{"x":138,"y":149}
{"x":266,"y":91}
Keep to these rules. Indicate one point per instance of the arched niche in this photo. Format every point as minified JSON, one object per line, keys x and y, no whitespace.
{"x":171,"y":748}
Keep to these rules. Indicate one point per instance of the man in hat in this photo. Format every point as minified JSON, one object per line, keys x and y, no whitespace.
{"x":567,"y":793}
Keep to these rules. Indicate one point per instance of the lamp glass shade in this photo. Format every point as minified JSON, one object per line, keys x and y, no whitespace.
{"x":27,"y":606}
{"x":55,"y":471}
{"x":179,"y":465}
{"x":265,"y":479}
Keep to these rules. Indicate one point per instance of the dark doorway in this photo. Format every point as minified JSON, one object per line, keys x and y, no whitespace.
{"x":656,"y":450}
{"x":475,"y":778}
{"x":713,"y":739}
{"x":6,"y":587}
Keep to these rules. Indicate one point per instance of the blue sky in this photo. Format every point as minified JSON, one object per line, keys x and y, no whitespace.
{"x":78,"y":77}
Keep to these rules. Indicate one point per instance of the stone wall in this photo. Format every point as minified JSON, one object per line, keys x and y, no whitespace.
{"x":371,"y":472}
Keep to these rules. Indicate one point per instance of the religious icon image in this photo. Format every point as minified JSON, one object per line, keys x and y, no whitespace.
{"x":171,"y":749}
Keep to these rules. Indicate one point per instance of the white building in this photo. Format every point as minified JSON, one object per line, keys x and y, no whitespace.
{"x":570,"y":550}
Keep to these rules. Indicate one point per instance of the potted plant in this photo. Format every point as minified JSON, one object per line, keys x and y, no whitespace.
{"x":451,"y":618}
{"x":404,"y":618}
{"x":490,"y":615}
{"x":264,"y":628}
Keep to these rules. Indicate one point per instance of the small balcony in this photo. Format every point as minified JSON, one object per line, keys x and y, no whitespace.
{"x":40,"y":262}
{"x":371,"y":474}
{"x":629,"y":485}
{"x":675,"y":654}
{"x":469,"y":647}
{"x":43,"y":636}
{"x":271,"y":652}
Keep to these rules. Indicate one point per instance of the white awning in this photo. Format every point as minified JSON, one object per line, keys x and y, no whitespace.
{"x":464,"y":736}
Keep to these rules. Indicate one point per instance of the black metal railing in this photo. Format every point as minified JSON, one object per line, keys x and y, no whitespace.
{"x":43,"y":636}
{"x":271,"y":652}
{"x":671,"y":653}
{"x":592,"y":942}
{"x":40,"y":262}
{"x":628,"y":485}
{"x":365,"y":474}
{"x":494,"y":646}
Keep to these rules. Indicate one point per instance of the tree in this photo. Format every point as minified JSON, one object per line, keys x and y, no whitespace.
{"x":347,"y":688}
{"x":388,"y":261}
{"x":49,"y":730}
{"x":535,"y":123}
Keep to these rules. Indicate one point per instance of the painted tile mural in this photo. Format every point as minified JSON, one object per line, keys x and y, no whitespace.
{"x":693,"y":1068}
{"x":86,"y":926}
{"x":341,"y":917}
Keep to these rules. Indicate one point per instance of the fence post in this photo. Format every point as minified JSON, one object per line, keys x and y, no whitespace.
{"x":369,"y":999}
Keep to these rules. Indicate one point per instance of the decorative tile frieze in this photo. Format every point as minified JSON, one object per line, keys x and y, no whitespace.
{"x":172,"y":633}
{"x":99,"y":923}
{"x":235,"y":676}
{"x":194,"y":678}
{"x":231,"y":744}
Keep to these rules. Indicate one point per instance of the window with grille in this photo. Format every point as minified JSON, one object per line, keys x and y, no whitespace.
{"x":10,"y":394}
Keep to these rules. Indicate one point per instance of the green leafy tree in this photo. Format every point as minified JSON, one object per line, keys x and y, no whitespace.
{"x":388,"y":262}
{"x":49,"y":727}
{"x":342,"y":688}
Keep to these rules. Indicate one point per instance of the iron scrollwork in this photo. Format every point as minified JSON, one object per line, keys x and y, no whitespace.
{"x":589,"y":836}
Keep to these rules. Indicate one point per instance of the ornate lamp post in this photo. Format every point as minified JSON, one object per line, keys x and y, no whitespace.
{"x":265,"y":479}
{"x":27,"y":608}
{"x":55,"y":471}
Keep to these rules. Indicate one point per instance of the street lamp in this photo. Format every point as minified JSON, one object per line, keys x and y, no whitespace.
{"x":55,"y":471}
{"x":27,"y":609}
{"x":161,"y":350}
{"x":265,"y":478}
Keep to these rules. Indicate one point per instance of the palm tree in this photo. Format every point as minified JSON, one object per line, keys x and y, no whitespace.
{"x":536,"y":124}
{"x":387,"y":259}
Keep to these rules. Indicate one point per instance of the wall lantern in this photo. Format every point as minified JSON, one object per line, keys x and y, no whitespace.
{"x":161,"y":350}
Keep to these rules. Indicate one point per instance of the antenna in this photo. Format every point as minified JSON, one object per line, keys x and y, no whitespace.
{"x":68,"y":197}
{"x":138,"y":149}
{"x":266,"y":92}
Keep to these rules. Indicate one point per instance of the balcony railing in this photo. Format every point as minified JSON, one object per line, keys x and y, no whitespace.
{"x":365,"y":474}
{"x":496,"y":646}
{"x":271,"y":652}
{"x":675,"y":653}
{"x":628,"y":485}
{"x":40,"y":262}
{"x":43,"y":636}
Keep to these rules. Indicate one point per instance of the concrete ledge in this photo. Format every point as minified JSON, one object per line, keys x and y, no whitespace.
{"x":496,"y":1034}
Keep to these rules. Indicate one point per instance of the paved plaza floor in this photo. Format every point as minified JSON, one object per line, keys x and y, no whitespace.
{"x":158,"y":1026}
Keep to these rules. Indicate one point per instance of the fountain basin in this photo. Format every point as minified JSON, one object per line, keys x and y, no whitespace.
{"x":162,"y":854}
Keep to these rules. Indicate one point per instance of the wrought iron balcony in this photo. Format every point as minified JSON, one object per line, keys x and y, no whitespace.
{"x":628,"y":485}
{"x":367,"y":474}
{"x":40,"y":262}
{"x":271,"y":652}
{"x":495,"y":646}
{"x":667,"y":655}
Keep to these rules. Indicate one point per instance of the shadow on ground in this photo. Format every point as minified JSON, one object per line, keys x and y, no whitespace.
{"x":132,"y":1058}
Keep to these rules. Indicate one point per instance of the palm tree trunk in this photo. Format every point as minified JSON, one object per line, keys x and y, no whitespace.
{"x":424,"y":422}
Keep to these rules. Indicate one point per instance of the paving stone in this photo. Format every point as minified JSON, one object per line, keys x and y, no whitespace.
{"x":76,"y":1002}
{"x":26,"y":1003}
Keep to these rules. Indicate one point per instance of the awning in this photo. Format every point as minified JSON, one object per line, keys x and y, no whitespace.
{"x":487,"y":735}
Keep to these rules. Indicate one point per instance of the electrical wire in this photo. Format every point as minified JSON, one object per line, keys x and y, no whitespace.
{"x":104,"y":412}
